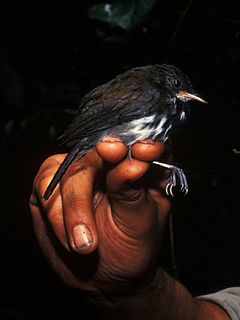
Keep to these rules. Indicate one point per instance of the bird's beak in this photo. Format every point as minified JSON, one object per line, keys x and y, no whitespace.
{"x":184,"y":95}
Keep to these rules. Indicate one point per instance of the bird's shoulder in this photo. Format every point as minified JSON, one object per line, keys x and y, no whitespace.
{"x":137,"y":84}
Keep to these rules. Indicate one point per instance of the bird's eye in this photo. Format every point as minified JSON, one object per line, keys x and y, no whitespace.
{"x":177,"y":83}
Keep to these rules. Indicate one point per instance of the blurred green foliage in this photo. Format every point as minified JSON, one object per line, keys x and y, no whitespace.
{"x":127,"y":15}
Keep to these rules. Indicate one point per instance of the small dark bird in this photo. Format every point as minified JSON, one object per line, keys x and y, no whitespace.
{"x":141,"y":103}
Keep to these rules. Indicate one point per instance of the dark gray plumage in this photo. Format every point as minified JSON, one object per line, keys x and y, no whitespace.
{"x":142,"y":103}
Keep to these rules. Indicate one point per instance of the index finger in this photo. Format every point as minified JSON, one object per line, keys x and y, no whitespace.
{"x":76,"y":188}
{"x":52,"y":208}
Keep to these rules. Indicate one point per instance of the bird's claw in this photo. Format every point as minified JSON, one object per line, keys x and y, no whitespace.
{"x":177,"y":174}
{"x":172,"y":184}
{"x":169,"y":189}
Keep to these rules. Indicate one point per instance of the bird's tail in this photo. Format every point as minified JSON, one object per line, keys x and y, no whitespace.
{"x":63,"y":167}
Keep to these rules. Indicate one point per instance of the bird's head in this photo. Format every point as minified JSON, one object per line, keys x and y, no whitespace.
{"x":178,"y":83}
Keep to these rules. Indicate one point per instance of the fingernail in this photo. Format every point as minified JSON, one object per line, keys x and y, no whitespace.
{"x":82,"y":237}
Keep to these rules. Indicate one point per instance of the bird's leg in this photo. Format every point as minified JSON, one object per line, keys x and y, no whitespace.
{"x":176,"y":174}
{"x":129,"y":154}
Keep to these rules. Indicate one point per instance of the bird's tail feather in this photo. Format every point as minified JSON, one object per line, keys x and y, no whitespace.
{"x":63,"y":167}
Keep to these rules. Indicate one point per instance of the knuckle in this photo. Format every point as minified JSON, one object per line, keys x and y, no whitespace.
{"x":137,"y":169}
{"x":41,"y":183}
{"x":46,"y":171}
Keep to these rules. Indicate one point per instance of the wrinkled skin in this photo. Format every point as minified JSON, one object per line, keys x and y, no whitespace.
{"x":125,"y":220}
{"x":122,"y":210}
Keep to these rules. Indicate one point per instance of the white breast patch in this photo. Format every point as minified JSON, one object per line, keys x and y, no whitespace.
{"x":144,"y":128}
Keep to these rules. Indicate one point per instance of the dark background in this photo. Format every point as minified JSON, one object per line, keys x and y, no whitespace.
{"x":50,"y":56}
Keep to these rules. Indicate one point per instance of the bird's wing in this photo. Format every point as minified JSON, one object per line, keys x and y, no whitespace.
{"x":108,"y":105}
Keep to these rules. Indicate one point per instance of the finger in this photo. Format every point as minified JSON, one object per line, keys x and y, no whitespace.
{"x":76,"y":189}
{"x":61,"y":264}
{"x":134,"y":169}
{"x":111,"y":150}
{"x":127,"y":171}
{"x":52,"y":208}
{"x":147,"y":150}
{"x":133,"y":211}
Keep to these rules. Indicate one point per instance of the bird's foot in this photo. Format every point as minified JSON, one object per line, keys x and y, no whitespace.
{"x":177,"y":174}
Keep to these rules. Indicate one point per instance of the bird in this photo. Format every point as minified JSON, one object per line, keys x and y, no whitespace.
{"x":144,"y":102}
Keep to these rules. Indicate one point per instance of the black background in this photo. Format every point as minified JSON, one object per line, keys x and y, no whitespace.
{"x":50,"y":56}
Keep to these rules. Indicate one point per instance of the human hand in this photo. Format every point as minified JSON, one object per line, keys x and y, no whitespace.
{"x":124,"y":211}
{"x":102,"y":227}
